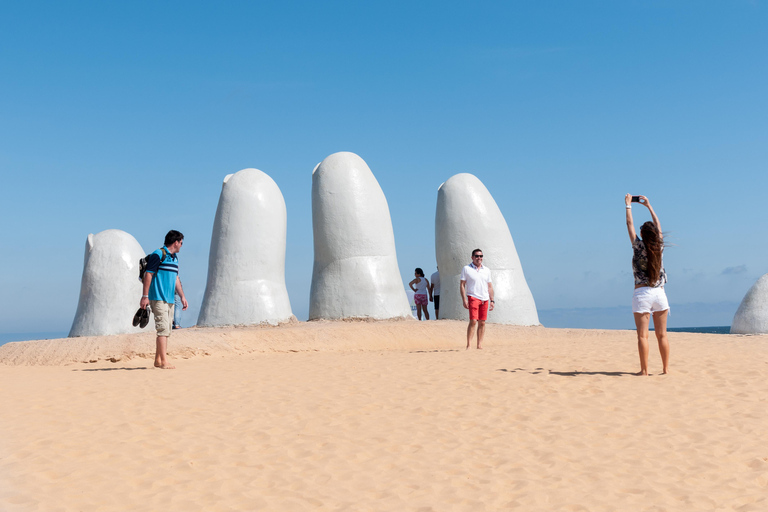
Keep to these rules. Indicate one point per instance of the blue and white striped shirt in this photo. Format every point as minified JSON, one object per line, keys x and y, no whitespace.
{"x":163,"y":286}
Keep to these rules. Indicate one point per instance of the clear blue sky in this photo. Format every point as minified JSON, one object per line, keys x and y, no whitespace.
{"x":113,"y":115}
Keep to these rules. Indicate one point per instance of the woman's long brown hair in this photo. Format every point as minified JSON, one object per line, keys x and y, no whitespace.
{"x":654,"y":244}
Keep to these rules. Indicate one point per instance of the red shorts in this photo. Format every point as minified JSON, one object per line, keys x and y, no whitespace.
{"x":420,"y":299}
{"x":478,"y":309}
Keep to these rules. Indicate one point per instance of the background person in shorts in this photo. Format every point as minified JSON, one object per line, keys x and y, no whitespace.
{"x":649,"y":297}
{"x":477,"y":295}
{"x":161,"y":284}
{"x":434,"y":292}
{"x":420,"y":293}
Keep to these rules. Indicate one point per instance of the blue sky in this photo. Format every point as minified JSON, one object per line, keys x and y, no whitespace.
{"x":129,"y":115}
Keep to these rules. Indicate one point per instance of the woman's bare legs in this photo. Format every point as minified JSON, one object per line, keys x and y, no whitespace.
{"x":641,"y":322}
{"x":660,"y":328}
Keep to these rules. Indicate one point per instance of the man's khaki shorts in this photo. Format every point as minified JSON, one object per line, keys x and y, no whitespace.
{"x":163,"y":316}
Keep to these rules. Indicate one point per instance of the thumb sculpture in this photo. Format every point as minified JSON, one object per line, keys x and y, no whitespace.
{"x":355,"y":274}
{"x":246,"y":264}
{"x":110,"y":290}
{"x":752,"y":315}
{"x":468,"y":218}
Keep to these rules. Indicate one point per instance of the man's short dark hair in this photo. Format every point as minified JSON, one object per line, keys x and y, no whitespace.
{"x":476,"y":250}
{"x":172,"y":237}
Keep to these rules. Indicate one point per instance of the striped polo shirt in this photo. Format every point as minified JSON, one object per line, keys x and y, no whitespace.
{"x":163,"y":286}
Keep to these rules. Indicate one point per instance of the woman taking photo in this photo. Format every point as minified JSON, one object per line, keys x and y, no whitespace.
{"x":649,"y":297}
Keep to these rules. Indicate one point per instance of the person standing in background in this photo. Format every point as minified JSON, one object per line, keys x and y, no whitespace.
{"x":177,"y":307}
{"x":420,"y":293}
{"x":434,"y":292}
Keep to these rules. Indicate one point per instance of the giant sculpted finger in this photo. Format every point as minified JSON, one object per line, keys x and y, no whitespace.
{"x":752,"y":315}
{"x":355,"y":273}
{"x":246,"y":264}
{"x":109,"y":286}
{"x":468,"y":218}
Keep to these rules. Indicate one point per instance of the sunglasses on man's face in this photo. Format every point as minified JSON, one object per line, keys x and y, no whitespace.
{"x":478,"y":256}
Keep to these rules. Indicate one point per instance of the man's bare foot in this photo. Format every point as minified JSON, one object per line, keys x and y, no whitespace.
{"x":642,"y":373}
{"x":467,"y":347}
{"x":165,"y":366}
{"x":479,"y":347}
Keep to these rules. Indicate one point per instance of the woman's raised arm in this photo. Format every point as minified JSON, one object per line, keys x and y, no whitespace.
{"x":630,"y":223}
{"x":644,"y":200}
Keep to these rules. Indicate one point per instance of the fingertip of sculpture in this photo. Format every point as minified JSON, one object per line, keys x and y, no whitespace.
{"x":752,"y":315}
{"x":467,"y":217}
{"x":355,"y":273}
{"x":246,"y":263}
{"x":109,"y":288}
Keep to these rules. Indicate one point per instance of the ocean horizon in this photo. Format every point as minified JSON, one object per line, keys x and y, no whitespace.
{"x":722,"y":329}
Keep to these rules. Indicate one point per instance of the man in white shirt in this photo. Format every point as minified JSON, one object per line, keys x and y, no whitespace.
{"x":477,"y":295}
{"x":434,"y":292}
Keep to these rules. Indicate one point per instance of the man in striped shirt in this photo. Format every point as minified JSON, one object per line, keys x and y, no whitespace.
{"x":161,"y":284}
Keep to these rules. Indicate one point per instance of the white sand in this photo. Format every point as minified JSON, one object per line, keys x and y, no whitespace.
{"x":384,"y":416}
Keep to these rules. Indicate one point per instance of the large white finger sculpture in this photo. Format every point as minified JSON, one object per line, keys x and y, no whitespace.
{"x":752,"y":315}
{"x":355,"y":274}
{"x":246,"y":264}
{"x":110,"y":290}
{"x":468,"y":218}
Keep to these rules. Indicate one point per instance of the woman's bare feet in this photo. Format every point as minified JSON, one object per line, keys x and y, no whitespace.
{"x":165,"y":366}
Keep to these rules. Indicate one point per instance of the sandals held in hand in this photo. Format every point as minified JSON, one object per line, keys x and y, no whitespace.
{"x":141,"y":318}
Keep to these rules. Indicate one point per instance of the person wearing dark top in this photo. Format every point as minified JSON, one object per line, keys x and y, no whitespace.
{"x":649,"y":297}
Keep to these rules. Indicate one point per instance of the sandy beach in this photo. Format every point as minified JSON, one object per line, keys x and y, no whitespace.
{"x":384,"y":416}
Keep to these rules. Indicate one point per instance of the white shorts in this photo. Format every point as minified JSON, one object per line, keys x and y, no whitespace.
{"x":649,"y":300}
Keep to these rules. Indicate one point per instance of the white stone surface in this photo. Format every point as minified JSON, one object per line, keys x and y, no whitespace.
{"x":355,"y":273}
{"x":246,"y":264}
{"x":468,"y":218}
{"x":110,"y":290}
{"x":752,"y":315}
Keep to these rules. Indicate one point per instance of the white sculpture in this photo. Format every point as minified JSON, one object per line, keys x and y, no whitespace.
{"x":468,"y":218}
{"x":110,"y":290}
{"x":752,"y":315}
{"x":246,"y":264}
{"x":355,"y":274}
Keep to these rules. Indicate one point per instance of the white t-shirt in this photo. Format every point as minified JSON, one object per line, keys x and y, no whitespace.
{"x":477,"y":281}
{"x":436,"y":283}
{"x":421,"y":287}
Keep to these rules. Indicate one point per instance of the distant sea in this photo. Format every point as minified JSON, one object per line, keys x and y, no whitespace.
{"x":7,"y":337}
{"x":723,"y":329}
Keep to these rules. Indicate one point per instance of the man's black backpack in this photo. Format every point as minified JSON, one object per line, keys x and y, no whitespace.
{"x":143,"y":263}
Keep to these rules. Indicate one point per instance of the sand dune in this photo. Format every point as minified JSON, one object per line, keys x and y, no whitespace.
{"x":384,"y":416}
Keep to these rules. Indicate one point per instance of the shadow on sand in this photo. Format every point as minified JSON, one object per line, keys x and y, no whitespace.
{"x":108,"y":369}
{"x":564,"y":374}
{"x":436,"y":350}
